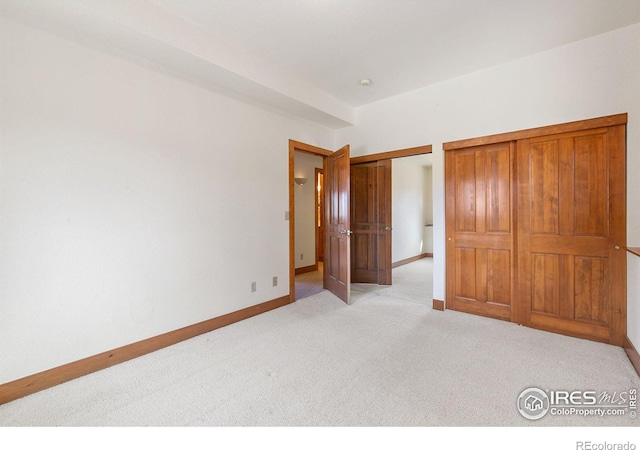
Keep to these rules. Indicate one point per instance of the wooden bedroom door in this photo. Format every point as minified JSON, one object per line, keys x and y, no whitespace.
{"x":571,"y":233}
{"x":479,"y":246}
{"x":337,"y":263}
{"x":371,"y":222}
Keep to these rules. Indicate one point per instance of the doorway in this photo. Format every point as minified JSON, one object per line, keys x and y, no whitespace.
{"x":314,"y":156}
{"x":308,"y":223}
{"x":410,"y":203}
{"x":411,"y":235}
{"x":307,"y":199}
{"x":310,"y":281}
{"x":294,"y":147}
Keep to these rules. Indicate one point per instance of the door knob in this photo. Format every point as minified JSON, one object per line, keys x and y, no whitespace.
{"x":386,"y":229}
{"x":347,"y":232}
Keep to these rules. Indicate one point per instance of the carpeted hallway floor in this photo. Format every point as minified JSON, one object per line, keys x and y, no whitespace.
{"x":411,"y":282}
{"x":310,"y":283}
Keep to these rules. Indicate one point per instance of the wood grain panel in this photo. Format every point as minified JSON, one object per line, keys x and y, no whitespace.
{"x":498,"y":188}
{"x":479,"y":229}
{"x":569,"y":127}
{"x":576,"y":328}
{"x":591,"y":293}
{"x":393,"y":154}
{"x":466,"y":275}
{"x":371,"y":222}
{"x":546,"y":284}
{"x":360,"y":245}
{"x":568,"y":243}
{"x":465,"y":192}
{"x":493,"y":310}
{"x":485,"y":240}
{"x":364,"y":246}
{"x":566,"y":276}
{"x":591,"y":203}
{"x":481,"y":275}
{"x":616,"y":147}
{"x":498,"y":286}
{"x":544,"y":187}
{"x":384,"y":220}
{"x":566,"y":185}
{"x":334,"y":252}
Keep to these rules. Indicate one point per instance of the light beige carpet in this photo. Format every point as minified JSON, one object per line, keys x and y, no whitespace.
{"x":382,"y":361}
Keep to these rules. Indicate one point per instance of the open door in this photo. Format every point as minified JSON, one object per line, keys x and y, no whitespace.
{"x":337,"y":263}
{"x":371,"y":222}
{"x":384,"y":222}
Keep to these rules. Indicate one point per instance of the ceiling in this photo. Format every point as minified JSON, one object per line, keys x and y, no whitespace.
{"x":401,"y":45}
{"x":306,"y":57}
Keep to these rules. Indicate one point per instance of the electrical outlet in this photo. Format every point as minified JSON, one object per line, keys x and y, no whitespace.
{"x":254,"y":286}
{"x":275,"y":281}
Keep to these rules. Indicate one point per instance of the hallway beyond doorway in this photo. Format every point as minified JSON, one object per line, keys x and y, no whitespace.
{"x":411,"y":282}
{"x":310,"y":283}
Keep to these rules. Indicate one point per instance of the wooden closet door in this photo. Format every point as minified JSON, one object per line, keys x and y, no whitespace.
{"x":479,"y":205}
{"x":571,"y":233}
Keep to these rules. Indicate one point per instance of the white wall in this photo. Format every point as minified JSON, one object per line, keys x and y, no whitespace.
{"x":409,"y":208}
{"x":305,"y":166}
{"x":131,"y":203}
{"x":428,"y":209}
{"x":590,"y":78}
{"x":428,"y":194}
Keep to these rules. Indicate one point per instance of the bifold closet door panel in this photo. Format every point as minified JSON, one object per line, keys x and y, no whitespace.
{"x":567,"y":233}
{"x":479,"y":203}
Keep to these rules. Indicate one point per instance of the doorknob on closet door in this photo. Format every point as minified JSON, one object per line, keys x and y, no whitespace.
{"x":386,"y":229}
{"x":347,"y":232}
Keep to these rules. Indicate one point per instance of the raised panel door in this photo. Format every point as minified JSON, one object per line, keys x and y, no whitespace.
{"x":567,"y":250}
{"x":480,"y":230}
